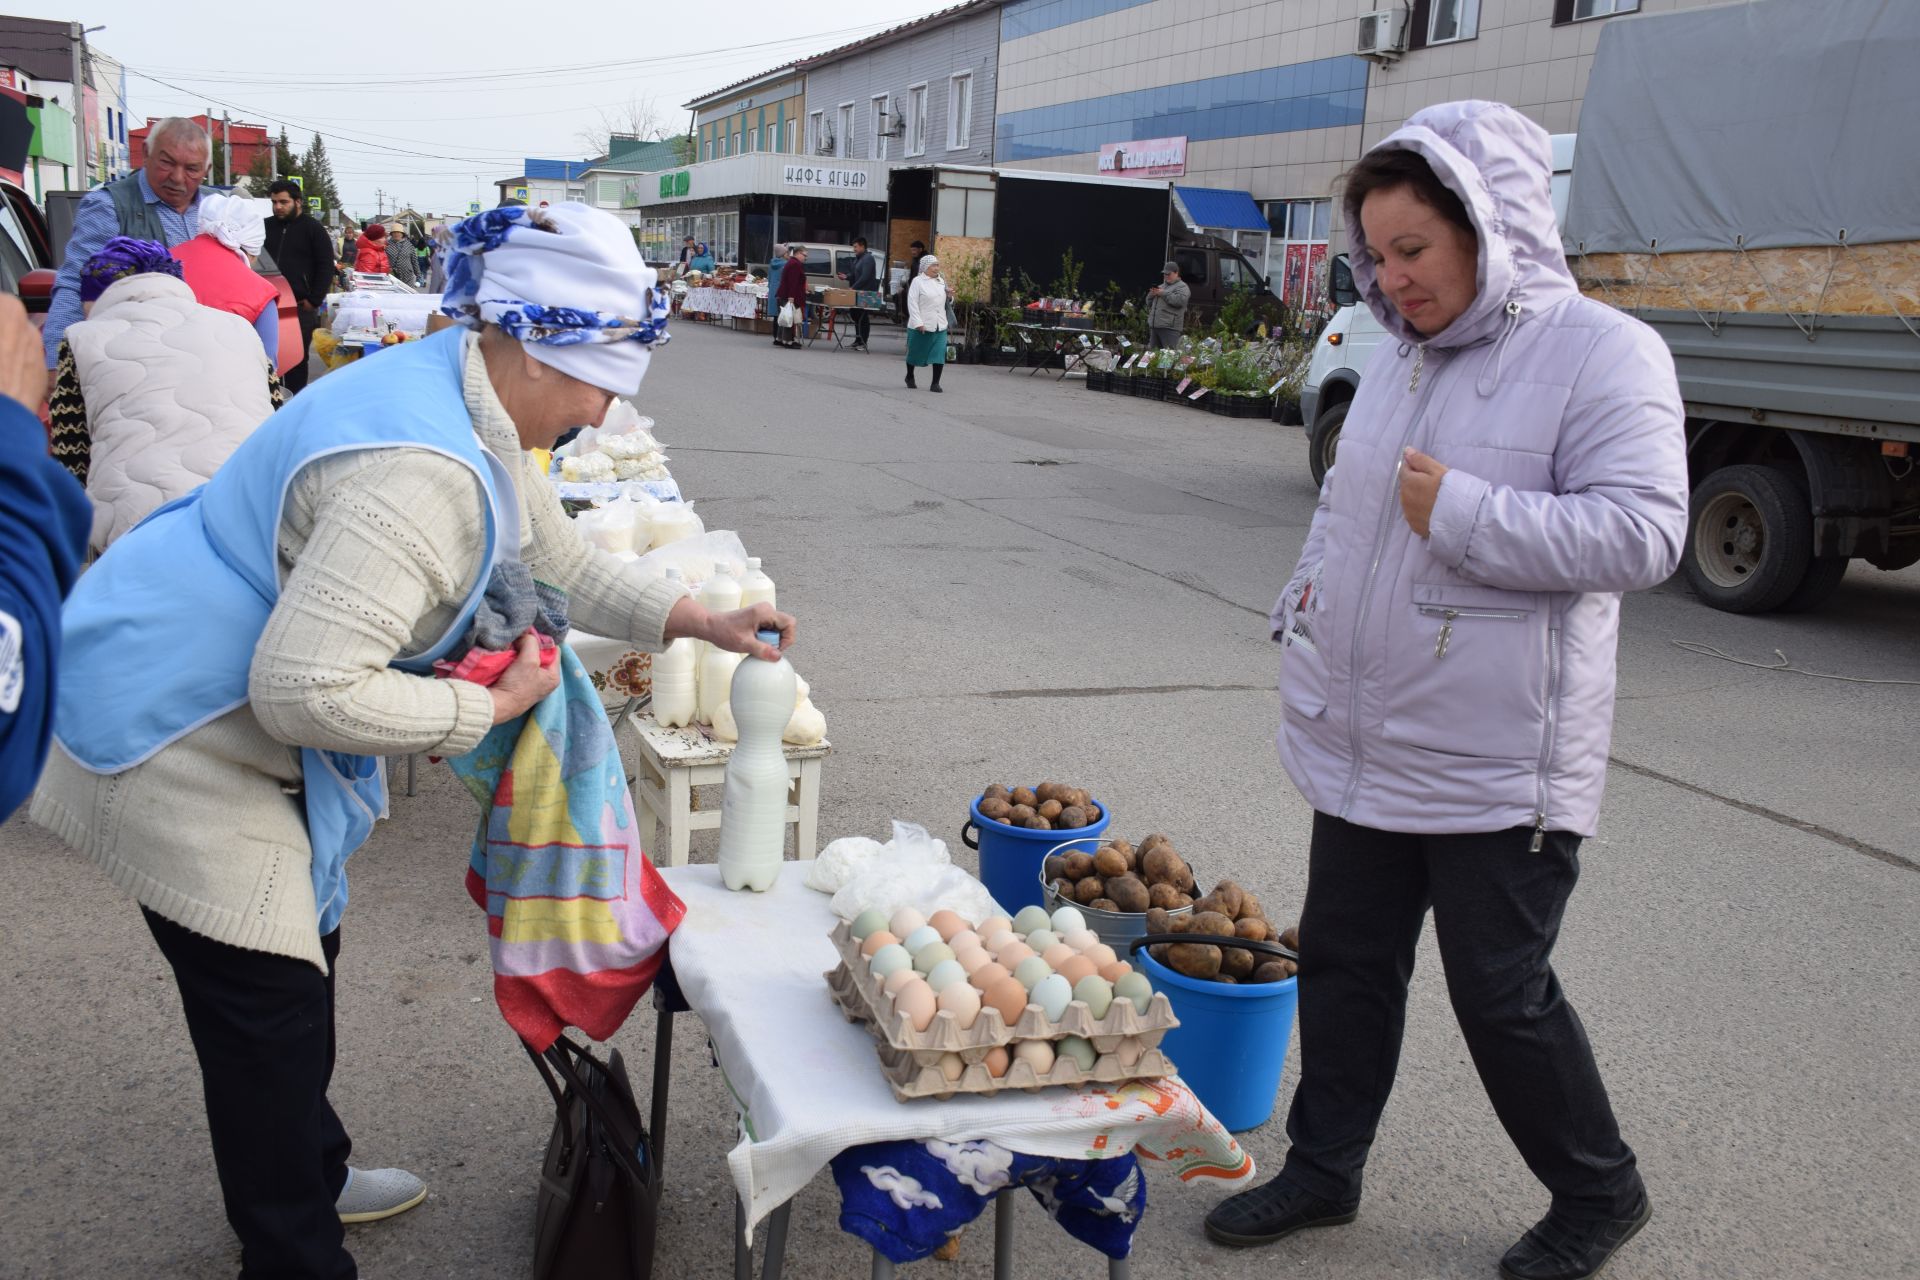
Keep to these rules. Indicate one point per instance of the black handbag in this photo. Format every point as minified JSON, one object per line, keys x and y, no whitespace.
{"x":600,"y":1183}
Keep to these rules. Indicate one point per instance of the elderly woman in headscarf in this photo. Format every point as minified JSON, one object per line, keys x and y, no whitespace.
{"x":235,"y":668}
{"x":152,"y":390}
{"x":219,"y":264}
{"x":370,"y":251}
{"x":927,"y":321}
{"x":403,"y":263}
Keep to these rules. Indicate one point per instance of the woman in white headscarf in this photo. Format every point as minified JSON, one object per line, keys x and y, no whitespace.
{"x":287,"y":618}
{"x":219,"y":264}
{"x":927,"y":321}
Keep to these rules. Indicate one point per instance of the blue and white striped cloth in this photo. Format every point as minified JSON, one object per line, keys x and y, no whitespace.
{"x":95,"y":223}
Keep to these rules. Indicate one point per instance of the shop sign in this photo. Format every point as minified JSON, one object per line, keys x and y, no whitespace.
{"x":1145,"y":158}
{"x":519,"y":193}
{"x":675,"y":184}
{"x":807,"y":175}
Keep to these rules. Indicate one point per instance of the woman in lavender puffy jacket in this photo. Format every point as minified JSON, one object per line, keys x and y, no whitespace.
{"x":1510,"y":466}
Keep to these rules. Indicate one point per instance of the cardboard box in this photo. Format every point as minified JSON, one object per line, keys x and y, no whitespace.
{"x":838,"y":297}
{"x":872,"y":299}
{"x":436,"y":322}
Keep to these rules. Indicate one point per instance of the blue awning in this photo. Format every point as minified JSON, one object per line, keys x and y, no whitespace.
{"x":1218,"y":207}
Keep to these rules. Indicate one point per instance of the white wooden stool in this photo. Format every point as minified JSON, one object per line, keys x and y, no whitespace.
{"x":675,"y":761}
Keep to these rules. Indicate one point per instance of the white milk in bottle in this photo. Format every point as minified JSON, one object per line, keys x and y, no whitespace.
{"x":716,"y":680}
{"x":756,"y":587}
{"x":753,"y":812}
{"x":676,"y":678}
{"x":720,"y":595}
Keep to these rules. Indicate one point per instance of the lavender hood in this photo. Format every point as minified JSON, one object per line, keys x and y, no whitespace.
{"x":1464,"y":682}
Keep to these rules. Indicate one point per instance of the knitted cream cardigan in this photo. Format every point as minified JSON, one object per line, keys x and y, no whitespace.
{"x":377,"y":550}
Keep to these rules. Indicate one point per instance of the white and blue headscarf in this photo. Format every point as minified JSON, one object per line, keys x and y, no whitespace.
{"x":568,"y":281}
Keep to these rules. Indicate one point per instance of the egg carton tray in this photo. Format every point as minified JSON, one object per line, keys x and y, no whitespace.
{"x":910,"y":1077}
{"x":944,"y":1034}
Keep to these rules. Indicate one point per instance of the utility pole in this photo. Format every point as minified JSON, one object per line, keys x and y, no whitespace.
{"x":76,"y":44}
{"x":226,"y":128}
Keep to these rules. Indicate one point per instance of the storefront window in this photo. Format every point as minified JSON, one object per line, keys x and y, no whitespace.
{"x":1297,"y":250}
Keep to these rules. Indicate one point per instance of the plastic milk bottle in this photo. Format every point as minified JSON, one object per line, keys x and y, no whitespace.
{"x":676,"y":678}
{"x":756,"y":586}
{"x":753,"y":812}
{"x":720,"y":595}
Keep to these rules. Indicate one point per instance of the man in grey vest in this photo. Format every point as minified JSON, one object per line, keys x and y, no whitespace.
{"x":1167,"y":314}
{"x":160,"y":202}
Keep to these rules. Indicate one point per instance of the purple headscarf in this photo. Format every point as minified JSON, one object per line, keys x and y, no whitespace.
{"x":125,"y":256}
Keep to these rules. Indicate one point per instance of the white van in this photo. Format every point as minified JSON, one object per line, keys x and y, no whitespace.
{"x":1348,"y":341}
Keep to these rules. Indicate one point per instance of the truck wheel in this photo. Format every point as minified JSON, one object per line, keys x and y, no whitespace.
{"x":1822,"y":580}
{"x":1750,"y":539}
{"x":1324,"y":441}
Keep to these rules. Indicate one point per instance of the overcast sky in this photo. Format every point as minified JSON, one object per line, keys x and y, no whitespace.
{"x":423,"y":101}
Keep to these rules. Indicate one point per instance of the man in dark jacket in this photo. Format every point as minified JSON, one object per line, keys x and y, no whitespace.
{"x":44,"y":521}
{"x":299,"y":245}
{"x":862,"y":273}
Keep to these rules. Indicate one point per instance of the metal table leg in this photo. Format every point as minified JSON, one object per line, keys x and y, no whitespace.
{"x":882,"y":1266}
{"x":742,"y":1247}
{"x":1003,"y":1206}
{"x":1119,"y":1268}
{"x":775,"y":1261}
{"x":411,"y":759}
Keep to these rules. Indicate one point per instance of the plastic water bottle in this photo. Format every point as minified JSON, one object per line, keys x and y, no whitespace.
{"x":676,"y":677}
{"x":753,"y":812}
{"x":756,"y":586}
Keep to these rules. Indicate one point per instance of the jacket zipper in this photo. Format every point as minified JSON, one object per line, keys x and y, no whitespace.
{"x":1546,"y":745}
{"x":1373,"y":572}
{"x":1448,"y":615}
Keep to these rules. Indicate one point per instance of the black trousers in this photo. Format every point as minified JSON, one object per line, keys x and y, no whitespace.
{"x":296,"y":377}
{"x":1497,"y":908}
{"x":862,"y":325}
{"x":262,"y":1027}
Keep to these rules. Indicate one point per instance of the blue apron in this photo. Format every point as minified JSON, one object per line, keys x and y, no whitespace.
{"x":160,"y":633}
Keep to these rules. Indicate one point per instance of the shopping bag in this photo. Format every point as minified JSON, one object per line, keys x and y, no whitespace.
{"x":599,"y":1198}
{"x":789,"y":314}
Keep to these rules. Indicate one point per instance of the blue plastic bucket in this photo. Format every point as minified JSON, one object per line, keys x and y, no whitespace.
{"x":1011,"y":857}
{"x":1232,"y":1039}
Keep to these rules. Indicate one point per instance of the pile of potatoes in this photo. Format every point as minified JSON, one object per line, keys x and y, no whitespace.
{"x":1228,"y":912}
{"x":1119,"y":877}
{"x":1047,"y":807}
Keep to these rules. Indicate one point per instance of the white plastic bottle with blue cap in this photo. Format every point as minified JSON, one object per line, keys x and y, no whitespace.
{"x":753,"y":812}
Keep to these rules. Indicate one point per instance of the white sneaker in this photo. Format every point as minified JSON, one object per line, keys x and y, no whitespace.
{"x":373,"y":1194}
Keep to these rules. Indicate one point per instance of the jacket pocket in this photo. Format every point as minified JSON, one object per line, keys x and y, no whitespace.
{"x":1303,"y":677}
{"x":1468,"y":672}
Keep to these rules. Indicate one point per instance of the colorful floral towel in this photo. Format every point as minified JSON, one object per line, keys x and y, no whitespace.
{"x":579,"y":918}
{"x":907,"y":1198}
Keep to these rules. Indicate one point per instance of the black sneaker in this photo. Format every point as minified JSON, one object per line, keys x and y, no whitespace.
{"x":1566,"y":1249}
{"x":1273,"y":1212}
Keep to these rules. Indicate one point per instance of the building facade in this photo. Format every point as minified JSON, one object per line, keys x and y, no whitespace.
{"x":920,"y":93}
{"x":751,"y":116}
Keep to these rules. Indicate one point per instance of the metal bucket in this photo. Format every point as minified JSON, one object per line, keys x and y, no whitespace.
{"x":1117,"y":929}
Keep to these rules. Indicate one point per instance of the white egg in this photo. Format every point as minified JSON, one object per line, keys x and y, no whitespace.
{"x":1081,"y":940}
{"x":1065,"y":921}
{"x":1053,"y":994}
{"x":945,"y":974}
{"x":918,"y":938}
{"x":905,"y":921}
{"x":952,"y":1066}
{"x":1037,"y":1054}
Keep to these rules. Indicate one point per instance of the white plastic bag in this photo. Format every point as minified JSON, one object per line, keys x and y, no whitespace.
{"x":789,"y":314}
{"x":913,"y":870}
{"x":695,"y":556}
{"x":840,"y":861}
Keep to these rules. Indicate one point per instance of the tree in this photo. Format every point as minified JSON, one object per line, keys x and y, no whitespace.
{"x":684,"y":149}
{"x":259,"y":175}
{"x":284,"y":161}
{"x":635,"y":118}
{"x":317,"y":170}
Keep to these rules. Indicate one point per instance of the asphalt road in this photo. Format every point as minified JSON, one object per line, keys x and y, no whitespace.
{"x":1020,"y":579}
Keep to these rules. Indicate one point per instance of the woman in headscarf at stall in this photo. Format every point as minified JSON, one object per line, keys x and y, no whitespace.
{"x":219,"y":264}
{"x":927,"y":321}
{"x":153,"y":390}
{"x":370,"y":251}
{"x":234,"y":669}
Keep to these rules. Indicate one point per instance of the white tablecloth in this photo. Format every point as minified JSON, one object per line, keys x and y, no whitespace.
{"x":723,"y":302}
{"x":808,"y":1082}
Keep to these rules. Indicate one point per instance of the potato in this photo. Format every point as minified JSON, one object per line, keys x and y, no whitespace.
{"x":997,"y":792}
{"x":1047,"y":790}
{"x":1226,"y":893}
{"x":1162,"y":865}
{"x":1050,"y":809}
{"x":1159,"y":952}
{"x":1158,"y":921}
{"x":1056,"y":866}
{"x":1212,"y":903}
{"x":1090,"y":888}
{"x":1271,"y":971}
{"x":1104,"y":904}
{"x":1025,"y":796}
{"x":1235,"y":962}
{"x":1195,"y":959}
{"x":1250,"y":908}
{"x":1019,"y":814}
{"x":1209,"y":922}
{"x":1164,"y":896}
{"x":1227,"y":978}
{"x":1038,"y":823}
{"x":1186,"y":900}
{"x":1251,"y":930}
{"x":1124,"y":847}
{"x":1064,"y":888}
{"x":1073,"y":816}
{"x":1157,"y":838}
{"x":996,"y":808}
{"x":1181,"y":923}
{"x":1273,"y":934}
{"x":1079,"y":865}
{"x":1127,"y":890}
{"x":1290,"y":937}
{"x":1290,"y":966}
{"x":1077,"y":796}
{"x":1109,"y":862}
{"x":1187,"y":886}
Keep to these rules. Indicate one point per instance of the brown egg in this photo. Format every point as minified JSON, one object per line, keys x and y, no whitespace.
{"x":1058,"y":954}
{"x":1012,"y":954}
{"x":946,"y":924}
{"x":1076,"y":968}
{"x":986,"y":976}
{"x":1101,"y":954}
{"x":996,"y":1062}
{"x":971,"y":959}
{"x":916,"y":1003}
{"x":995,"y":924}
{"x":898,"y":979}
{"x":1009,"y":997}
{"x":874,"y":941}
{"x":1116,"y":971}
{"x":964,"y":939}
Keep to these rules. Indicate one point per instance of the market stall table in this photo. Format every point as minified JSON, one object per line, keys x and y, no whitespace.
{"x":1049,"y":340}
{"x":675,"y":761}
{"x":722,"y":302}
{"x":777,"y":1035}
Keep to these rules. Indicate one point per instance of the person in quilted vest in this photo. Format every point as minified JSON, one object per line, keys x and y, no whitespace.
{"x":219,"y":264}
{"x":152,"y":391}
{"x":1512,"y":464}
